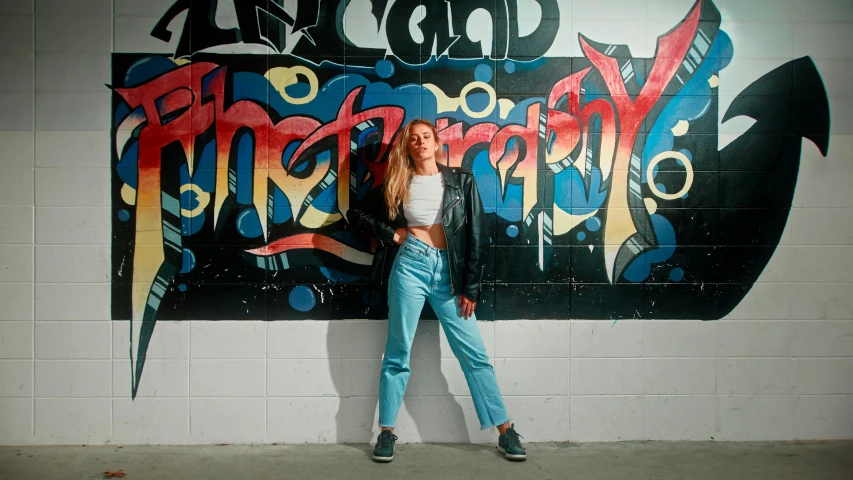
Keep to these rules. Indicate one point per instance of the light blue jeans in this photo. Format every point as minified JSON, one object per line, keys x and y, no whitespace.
{"x":421,"y":273}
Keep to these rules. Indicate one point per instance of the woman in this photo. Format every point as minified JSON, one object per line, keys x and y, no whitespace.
{"x":434,"y":217}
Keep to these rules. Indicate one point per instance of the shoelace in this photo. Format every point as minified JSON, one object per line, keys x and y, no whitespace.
{"x":512,"y":435}
{"x":385,"y":440}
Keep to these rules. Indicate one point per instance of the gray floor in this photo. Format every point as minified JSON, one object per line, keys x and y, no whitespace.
{"x":640,"y":460}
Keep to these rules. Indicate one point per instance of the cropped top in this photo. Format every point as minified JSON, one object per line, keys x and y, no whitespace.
{"x":425,"y":195}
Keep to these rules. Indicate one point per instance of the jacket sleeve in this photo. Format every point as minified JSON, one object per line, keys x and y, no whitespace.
{"x":367,"y":217}
{"x":478,"y":245}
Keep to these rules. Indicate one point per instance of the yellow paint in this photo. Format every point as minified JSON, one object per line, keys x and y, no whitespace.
{"x":482,"y":86}
{"x":564,"y":221}
{"x":504,"y":107}
{"x":714,"y":81}
{"x":202,"y":197}
{"x":128,"y":194}
{"x":680,"y":128}
{"x":651,"y":205}
{"x":688,"y":172}
{"x":283,"y":77}
{"x":314,"y":218}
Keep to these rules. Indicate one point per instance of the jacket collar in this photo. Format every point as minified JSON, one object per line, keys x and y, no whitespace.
{"x":451,"y":177}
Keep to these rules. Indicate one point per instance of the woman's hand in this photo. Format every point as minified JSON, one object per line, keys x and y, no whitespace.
{"x":467,"y":306}
{"x":400,"y":235}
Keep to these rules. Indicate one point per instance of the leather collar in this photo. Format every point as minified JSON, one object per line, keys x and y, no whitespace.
{"x":451,"y":177}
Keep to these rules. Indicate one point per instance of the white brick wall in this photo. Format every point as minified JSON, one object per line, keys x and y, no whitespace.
{"x":780,"y":366}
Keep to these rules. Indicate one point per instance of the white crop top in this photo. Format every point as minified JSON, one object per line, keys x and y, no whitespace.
{"x":425,"y":197}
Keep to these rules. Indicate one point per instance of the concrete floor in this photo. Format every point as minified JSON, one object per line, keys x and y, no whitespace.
{"x":640,"y":460}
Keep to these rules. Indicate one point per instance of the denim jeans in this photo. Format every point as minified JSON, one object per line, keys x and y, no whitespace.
{"x":421,"y":273}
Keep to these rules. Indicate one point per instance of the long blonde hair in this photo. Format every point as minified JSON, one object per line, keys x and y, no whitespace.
{"x":401,"y":167}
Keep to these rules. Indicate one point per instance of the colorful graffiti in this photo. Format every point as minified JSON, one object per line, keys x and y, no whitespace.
{"x":606,"y":194}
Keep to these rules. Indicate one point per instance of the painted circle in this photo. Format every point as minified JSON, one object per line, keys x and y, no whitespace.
{"x":581,"y":236}
{"x":512,"y":231}
{"x":688,"y":171}
{"x":285,"y":77}
{"x":202,"y":197}
{"x":676,"y":275}
{"x":483,"y":73}
{"x":661,"y":187}
{"x":509,"y":67}
{"x":248,"y":224}
{"x":463,"y":102}
{"x":384,"y":68}
{"x":188,"y":261}
{"x":123,"y":215}
{"x":182,"y":287}
{"x":302,"y":298}
{"x":593,"y":224}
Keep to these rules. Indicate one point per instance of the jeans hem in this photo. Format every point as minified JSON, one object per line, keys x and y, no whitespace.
{"x":495,"y":425}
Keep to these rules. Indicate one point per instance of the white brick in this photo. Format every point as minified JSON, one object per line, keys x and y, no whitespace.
{"x":160,"y":379}
{"x":72,"y":301}
{"x":365,"y":339}
{"x":822,"y":264}
{"x":754,"y":376}
{"x":756,"y":418}
{"x":16,"y":33}
{"x":680,"y":338}
{"x":822,"y":376}
{"x":539,"y":419}
{"x":73,"y":420}
{"x":16,"y":263}
{"x":779,"y":267}
{"x":77,"y":34}
{"x":842,"y":118}
{"x":16,"y":73}
{"x":821,"y":226}
{"x":64,"y":379}
{"x":831,"y":301}
{"x":170,"y":340}
{"x":361,"y":420}
{"x":72,"y":264}
{"x":754,"y":338}
{"x":606,"y":376}
{"x":17,"y":149}
{"x":360,"y":378}
{"x":761,"y":40}
{"x":606,"y":418}
{"x":153,"y":8}
{"x":447,"y":419}
{"x":227,"y":378}
{"x":765,"y":301}
{"x":88,"y":149}
{"x":756,"y":10}
{"x":80,"y":72}
{"x":73,"y":187}
{"x":17,"y":301}
{"x":17,"y":108}
{"x":823,"y":338}
{"x":73,"y":226}
{"x":823,"y":417}
{"x":23,"y":7}
{"x":632,"y":33}
{"x":74,"y":111}
{"x":682,"y":376}
{"x":133,"y":34}
{"x":308,"y":339}
{"x":532,"y":376}
{"x":237,"y":340}
{"x":72,"y":340}
{"x":822,"y":182}
{"x":227,"y":420}
{"x":73,"y":7}
{"x":833,"y":74}
{"x":16,"y":340}
{"x":304,"y":378}
{"x":17,"y":226}
{"x":596,"y":339}
{"x":151,"y":421}
{"x":680,"y":418}
{"x":822,"y":11}
{"x":303,"y":420}
{"x":16,"y":187}
{"x":17,"y":376}
{"x":438,"y":377}
{"x":532,"y":338}
{"x":822,"y":40}
{"x":609,"y":9}
{"x":16,"y":421}
{"x":431,"y":340}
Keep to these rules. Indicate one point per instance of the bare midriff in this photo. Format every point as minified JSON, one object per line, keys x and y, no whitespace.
{"x":432,"y":235}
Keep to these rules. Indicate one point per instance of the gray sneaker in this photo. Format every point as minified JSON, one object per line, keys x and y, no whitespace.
{"x":384,"y":450}
{"x":510,"y":445}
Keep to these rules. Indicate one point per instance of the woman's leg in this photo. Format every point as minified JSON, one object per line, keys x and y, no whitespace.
{"x":407,"y":291}
{"x":466,"y":342}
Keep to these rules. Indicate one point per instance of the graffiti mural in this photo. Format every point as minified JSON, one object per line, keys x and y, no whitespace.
{"x":606,"y":194}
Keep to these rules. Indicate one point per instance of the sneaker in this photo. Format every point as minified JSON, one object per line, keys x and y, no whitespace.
{"x":384,"y":450}
{"x":510,"y":445}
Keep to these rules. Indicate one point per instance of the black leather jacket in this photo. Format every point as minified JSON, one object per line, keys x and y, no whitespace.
{"x":464,"y":227}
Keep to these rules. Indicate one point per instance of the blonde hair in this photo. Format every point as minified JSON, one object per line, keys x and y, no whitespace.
{"x":401,"y":167}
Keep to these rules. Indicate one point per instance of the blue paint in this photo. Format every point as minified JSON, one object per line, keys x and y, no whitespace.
{"x":384,"y":68}
{"x":661,"y":187}
{"x":281,"y":206}
{"x":188,"y":261}
{"x":302,"y":298}
{"x":581,"y":236}
{"x":676,"y":275}
{"x":509,"y":66}
{"x":127,"y":166}
{"x":182,"y":287}
{"x":483,"y":73}
{"x":641,"y":267}
{"x":512,"y":231}
{"x":249,"y":224}
{"x":123,"y":215}
{"x":593,"y":224}
{"x":245,"y":169}
{"x":338,"y":276}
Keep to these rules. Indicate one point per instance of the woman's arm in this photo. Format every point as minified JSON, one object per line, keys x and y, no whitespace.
{"x":367,"y":216}
{"x":478,"y":244}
